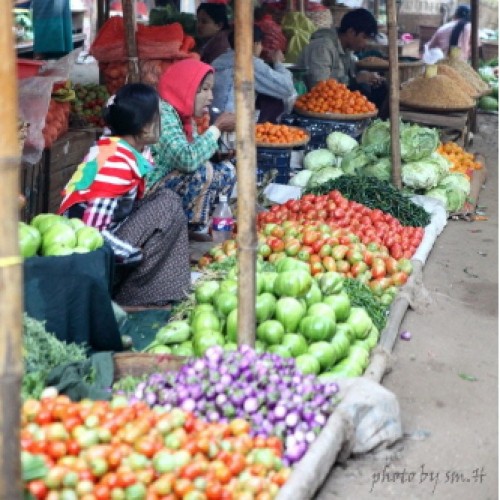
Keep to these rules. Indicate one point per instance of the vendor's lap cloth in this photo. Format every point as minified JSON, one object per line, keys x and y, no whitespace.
{"x":72,"y":295}
{"x":89,"y":379}
{"x":142,"y":326}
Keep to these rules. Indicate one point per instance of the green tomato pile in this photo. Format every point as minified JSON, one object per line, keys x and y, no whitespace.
{"x":308,"y":318}
{"x":52,"y":235}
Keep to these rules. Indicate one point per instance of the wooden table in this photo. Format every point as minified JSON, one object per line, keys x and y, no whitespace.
{"x":456,"y":124}
{"x":409,"y":49}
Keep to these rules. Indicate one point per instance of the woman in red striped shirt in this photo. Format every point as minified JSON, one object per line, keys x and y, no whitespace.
{"x":148,"y":234}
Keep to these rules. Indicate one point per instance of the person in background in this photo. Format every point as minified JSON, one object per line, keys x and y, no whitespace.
{"x":273,"y":38}
{"x":212,"y":27}
{"x":52,"y":28}
{"x":330,"y":54}
{"x":181,"y":154}
{"x":148,"y":233}
{"x":273,"y":85}
{"x":456,"y":33}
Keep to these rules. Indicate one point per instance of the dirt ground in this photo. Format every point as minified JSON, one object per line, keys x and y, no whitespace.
{"x":446,"y":376}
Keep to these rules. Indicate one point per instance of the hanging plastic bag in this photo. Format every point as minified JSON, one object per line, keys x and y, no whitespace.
{"x":299,"y":29}
{"x":34,"y":99}
{"x":432,"y":56}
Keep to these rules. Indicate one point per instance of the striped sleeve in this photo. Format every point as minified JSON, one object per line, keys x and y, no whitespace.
{"x":120,"y":169}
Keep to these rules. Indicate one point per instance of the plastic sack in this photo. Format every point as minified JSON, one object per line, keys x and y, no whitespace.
{"x":109,"y":44}
{"x":34,"y":99}
{"x":432,"y":56}
{"x":299,"y":30}
{"x":60,"y":68}
{"x":373,"y":412}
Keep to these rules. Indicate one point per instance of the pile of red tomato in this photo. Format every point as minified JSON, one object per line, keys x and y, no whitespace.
{"x":370,"y":225}
{"x":97,"y":450}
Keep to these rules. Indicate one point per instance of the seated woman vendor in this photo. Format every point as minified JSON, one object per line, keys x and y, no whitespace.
{"x":148,"y":233}
{"x":182,"y":155}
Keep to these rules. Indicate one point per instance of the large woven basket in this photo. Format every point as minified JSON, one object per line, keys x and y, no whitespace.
{"x":407,"y":69}
{"x":321,"y":18}
{"x":136,"y":364}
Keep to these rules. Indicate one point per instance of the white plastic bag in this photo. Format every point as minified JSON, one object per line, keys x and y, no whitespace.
{"x":432,"y":56}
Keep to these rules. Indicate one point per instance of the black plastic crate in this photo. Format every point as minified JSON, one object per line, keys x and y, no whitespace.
{"x":269,"y":159}
{"x":319,"y":129}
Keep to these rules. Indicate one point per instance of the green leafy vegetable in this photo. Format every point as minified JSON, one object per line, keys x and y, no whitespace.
{"x":361,"y":296}
{"x":318,"y":159}
{"x":381,"y":169}
{"x":418,"y":142}
{"x":340,"y":144}
{"x":420,"y":175}
{"x":42,"y":352}
{"x":301,"y":178}
{"x":324,"y":175}
{"x":354,"y":161}
{"x":457,"y":181}
{"x":376,"y":139}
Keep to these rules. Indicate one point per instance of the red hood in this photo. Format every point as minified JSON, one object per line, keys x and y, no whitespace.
{"x":179,"y":85}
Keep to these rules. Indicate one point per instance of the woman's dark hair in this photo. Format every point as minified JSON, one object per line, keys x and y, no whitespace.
{"x":463,"y":15}
{"x":258,"y":36}
{"x":361,"y":21}
{"x":134,"y":106}
{"x":217,"y":12}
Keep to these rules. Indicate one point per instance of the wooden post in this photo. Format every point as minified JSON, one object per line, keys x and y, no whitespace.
{"x":129,"y":21}
{"x":392,"y":33}
{"x":102,"y":12}
{"x":376,"y":8}
{"x":11,"y":306}
{"x":474,"y":37}
{"x":247,"y":177}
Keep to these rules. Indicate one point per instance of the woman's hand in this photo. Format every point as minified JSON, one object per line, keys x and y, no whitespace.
{"x":277,"y":56}
{"x":226,"y":122}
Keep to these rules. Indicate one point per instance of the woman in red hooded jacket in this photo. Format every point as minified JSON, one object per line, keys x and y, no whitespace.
{"x":182,"y":156}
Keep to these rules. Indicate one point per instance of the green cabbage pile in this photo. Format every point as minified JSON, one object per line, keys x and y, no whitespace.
{"x":417,"y":142}
{"x":376,"y":139}
{"x":452,"y":190}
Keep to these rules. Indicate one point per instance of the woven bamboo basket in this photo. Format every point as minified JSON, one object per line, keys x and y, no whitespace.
{"x":407,"y":69}
{"x":489,"y":50}
{"x":321,"y":18}
{"x":136,"y":364}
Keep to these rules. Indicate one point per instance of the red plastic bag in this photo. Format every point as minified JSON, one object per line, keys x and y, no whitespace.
{"x":109,"y":44}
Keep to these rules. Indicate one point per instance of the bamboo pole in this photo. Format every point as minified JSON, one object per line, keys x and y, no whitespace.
{"x":246,"y":158}
{"x":392,"y":33}
{"x":130,"y":24}
{"x":11,"y":307}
